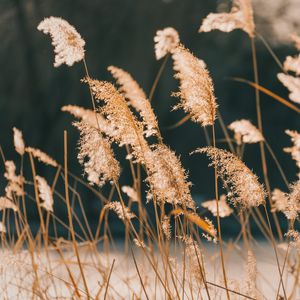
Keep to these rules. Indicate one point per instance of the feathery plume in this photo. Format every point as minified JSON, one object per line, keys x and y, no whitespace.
{"x":45,"y":193}
{"x":128,"y":130}
{"x":15,"y":182}
{"x":67,"y":42}
{"x":292,"y":64}
{"x":130,"y":192}
{"x":101,"y":165}
{"x":7,"y":204}
{"x":137,"y":99}
{"x":240,"y":17}
{"x":295,"y":149}
{"x":246,"y":132}
{"x":196,"y":87}
{"x":166,"y":227}
{"x":90,"y":117}
{"x":41,"y":156}
{"x":279,"y":200}
{"x":123,"y":212}
{"x":18,"y":141}
{"x":296,"y":40}
{"x":167,"y":177}
{"x":292,"y":209}
{"x":294,"y":237}
{"x":166,"y":41}
{"x":292,"y":84}
{"x":224,"y":208}
{"x":245,"y":190}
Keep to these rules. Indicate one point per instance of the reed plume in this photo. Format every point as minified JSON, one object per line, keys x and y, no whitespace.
{"x":292,"y":83}
{"x":245,"y":132}
{"x":18,"y":141}
{"x":15,"y":182}
{"x":122,"y":212}
{"x":240,"y":17}
{"x":45,"y":193}
{"x":224,"y":208}
{"x":136,"y":98}
{"x":166,"y":40}
{"x":295,"y":149}
{"x":96,"y":155}
{"x":67,"y":42}
{"x":196,"y":88}
{"x":245,"y":191}
{"x":7,"y":204}
{"x":41,"y":156}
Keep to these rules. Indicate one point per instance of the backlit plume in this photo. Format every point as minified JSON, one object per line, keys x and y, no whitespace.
{"x":96,"y":155}
{"x":292,"y":83}
{"x":136,"y":98}
{"x":45,"y":193}
{"x":245,"y":190}
{"x":167,"y":178}
{"x":127,"y":129}
{"x":67,"y":42}
{"x":166,"y":40}
{"x":240,"y":17}
{"x":196,"y":88}
{"x":295,"y":149}
{"x":131,"y":193}
{"x":7,"y":204}
{"x":245,"y":132}
{"x":279,"y":200}
{"x":41,"y":156}
{"x":15,"y":182}
{"x":122,"y":212}
{"x":224,"y":208}
{"x":292,"y":64}
{"x":18,"y":141}
{"x":293,"y":204}
{"x":89,"y":117}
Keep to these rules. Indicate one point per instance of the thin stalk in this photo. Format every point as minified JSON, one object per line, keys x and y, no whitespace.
{"x":218,"y":219}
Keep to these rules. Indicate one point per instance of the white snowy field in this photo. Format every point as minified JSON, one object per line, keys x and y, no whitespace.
{"x":52,"y":274}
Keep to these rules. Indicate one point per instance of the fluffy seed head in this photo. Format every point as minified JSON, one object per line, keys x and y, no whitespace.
{"x":292,"y":64}
{"x":245,"y":190}
{"x":240,"y":17}
{"x":127,"y":129}
{"x":224,"y":208}
{"x":167,"y":178}
{"x":166,"y":41}
{"x":292,"y":84}
{"x":90,"y":117}
{"x":196,"y":88}
{"x":293,"y":204}
{"x":45,"y":193}
{"x":136,"y":98}
{"x":166,"y":227}
{"x":41,"y":156}
{"x":295,"y":149}
{"x":123,"y":212}
{"x":279,"y":200}
{"x":67,"y":42}
{"x":246,"y":132}
{"x":96,"y":155}
{"x":131,"y":193}
{"x":18,"y":141}
{"x":15,"y":182}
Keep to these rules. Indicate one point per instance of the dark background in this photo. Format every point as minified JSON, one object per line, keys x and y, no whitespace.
{"x":120,"y":33}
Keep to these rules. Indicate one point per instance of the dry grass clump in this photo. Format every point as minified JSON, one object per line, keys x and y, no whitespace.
{"x":172,"y":254}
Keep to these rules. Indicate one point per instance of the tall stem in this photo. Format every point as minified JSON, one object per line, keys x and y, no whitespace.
{"x":218,"y":219}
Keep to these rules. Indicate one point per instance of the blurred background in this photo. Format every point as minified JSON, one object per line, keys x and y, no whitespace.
{"x":120,"y":33}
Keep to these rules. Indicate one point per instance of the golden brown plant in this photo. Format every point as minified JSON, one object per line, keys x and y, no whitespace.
{"x":67,"y":42}
{"x":245,"y":191}
{"x":196,"y":88}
